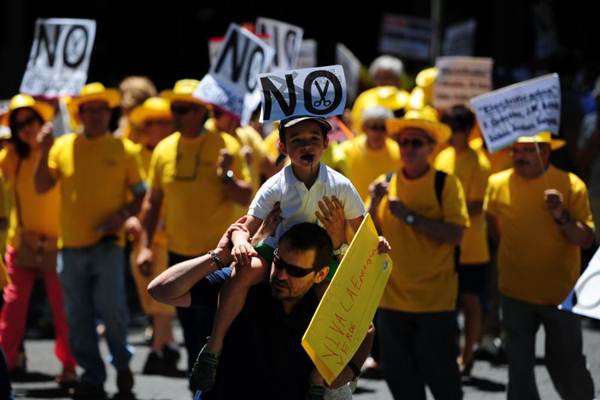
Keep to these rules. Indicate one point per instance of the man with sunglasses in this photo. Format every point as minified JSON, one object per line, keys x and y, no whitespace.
{"x":372,"y":154}
{"x":201,"y":177}
{"x":263,"y":357}
{"x":422,"y":212}
{"x":542,"y":217}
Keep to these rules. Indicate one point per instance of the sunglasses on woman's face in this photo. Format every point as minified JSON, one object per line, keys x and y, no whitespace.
{"x":25,"y":122}
{"x":291,"y":269}
{"x":414,"y":143}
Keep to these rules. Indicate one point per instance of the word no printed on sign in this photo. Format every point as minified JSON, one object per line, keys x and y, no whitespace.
{"x":319,"y":92}
{"x":285,"y":38}
{"x":523,"y":109}
{"x":59,"y":58}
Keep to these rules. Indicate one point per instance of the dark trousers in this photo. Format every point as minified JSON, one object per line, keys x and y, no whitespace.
{"x":564,"y":358}
{"x":5,"y":389}
{"x":196,"y":323}
{"x":419,"y":349}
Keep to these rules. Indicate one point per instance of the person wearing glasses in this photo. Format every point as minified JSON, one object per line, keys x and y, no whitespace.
{"x":423,"y":214}
{"x":201,"y":178}
{"x":37,"y":216}
{"x":372,"y":154}
{"x":263,"y":357}
{"x":100,"y":185}
{"x":542,"y":216}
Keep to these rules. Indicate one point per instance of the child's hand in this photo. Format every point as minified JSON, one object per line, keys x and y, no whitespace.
{"x":333,"y":219}
{"x":268,"y":226}
{"x":383,"y":246}
{"x":242,"y":253}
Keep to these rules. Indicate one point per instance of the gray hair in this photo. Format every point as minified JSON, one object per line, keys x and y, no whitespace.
{"x":389,"y":63}
{"x":377,"y":112}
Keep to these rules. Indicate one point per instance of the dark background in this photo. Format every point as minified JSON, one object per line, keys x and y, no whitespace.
{"x":167,"y":41}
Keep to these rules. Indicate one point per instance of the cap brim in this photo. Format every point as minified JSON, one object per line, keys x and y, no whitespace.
{"x":438,"y":131}
{"x":286,"y":123}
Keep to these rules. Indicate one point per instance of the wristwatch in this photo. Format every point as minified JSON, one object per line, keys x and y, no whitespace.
{"x":340,"y":251}
{"x":228,"y":176}
{"x":409,"y":218}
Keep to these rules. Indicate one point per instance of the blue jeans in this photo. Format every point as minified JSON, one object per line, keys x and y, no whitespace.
{"x":94,"y":286}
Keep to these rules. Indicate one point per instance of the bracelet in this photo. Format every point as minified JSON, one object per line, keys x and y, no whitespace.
{"x":354,"y":368}
{"x":216,"y":259}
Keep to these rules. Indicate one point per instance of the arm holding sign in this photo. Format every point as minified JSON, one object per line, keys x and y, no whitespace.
{"x":237,"y":190}
{"x":44,"y":180}
{"x":575,"y":231}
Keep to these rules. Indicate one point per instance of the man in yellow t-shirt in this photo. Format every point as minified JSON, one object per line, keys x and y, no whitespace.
{"x":422,"y":213}
{"x":543,"y":219}
{"x":97,"y":174}
{"x":472,"y":169}
{"x":372,"y":154}
{"x":201,"y":177}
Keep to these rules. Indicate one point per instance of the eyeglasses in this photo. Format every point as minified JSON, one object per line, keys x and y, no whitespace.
{"x":26,"y":122}
{"x":159,"y":122}
{"x":93,"y":109}
{"x":182,"y":109}
{"x":292,"y":270}
{"x":376,"y":127}
{"x":414,"y":143}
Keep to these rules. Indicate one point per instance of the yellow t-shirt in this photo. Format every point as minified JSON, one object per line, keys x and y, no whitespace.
{"x":39,"y":212}
{"x":197,"y":211}
{"x":95,"y":177}
{"x":424,"y":278}
{"x":363,"y":165}
{"x":472,"y":170}
{"x":536,"y":263}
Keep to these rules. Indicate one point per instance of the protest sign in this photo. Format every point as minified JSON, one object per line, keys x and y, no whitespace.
{"x":351,"y":65}
{"x":308,"y":54}
{"x":522,"y":109}
{"x":319,"y":92}
{"x":406,"y":36}
{"x":459,"y":79}
{"x":235,"y":71}
{"x":59,"y":58}
{"x":345,"y":312}
{"x":285,"y":38}
{"x":459,"y":39}
{"x":584,"y":299}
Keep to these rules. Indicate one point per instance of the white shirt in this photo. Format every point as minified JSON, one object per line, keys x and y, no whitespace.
{"x":299,"y":204}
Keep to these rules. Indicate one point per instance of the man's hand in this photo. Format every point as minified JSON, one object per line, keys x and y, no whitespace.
{"x":554,"y":201}
{"x":383,"y":246}
{"x":45,"y":137}
{"x":378,"y":190}
{"x":133,"y":229}
{"x":398,"y":209}
{"x":144,"y":260}
{"x":333,"y":219}
{"x":225,"y":162}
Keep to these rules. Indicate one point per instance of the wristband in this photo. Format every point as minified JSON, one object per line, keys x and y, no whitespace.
{"x":216,"y":259}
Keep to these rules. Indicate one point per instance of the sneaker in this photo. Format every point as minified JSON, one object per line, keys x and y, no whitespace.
{"x":67,"y":378}
{"x":124,"y":381}
{"x":88,"y":391}
{"x":204,"y":371}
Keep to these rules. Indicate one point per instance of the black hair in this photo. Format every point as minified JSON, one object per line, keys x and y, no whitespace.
{"x":459,"y":118}
{"x":282,"y":130}
{"x":308,"y":236}
{"x":21,"y":147}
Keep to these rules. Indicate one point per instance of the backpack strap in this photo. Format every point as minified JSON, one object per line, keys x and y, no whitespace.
{"x":439,"y":182}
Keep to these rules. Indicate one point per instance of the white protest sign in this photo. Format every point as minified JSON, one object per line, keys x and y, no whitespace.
{"x":460,"y":79}
{"x":308,"y":54}
{"x":235,"y":72}
{"x":522,"y":109}
{"x":215,"y":44}
{"x":351,"y":65}
{"x":584,"y":299}
{"x":319,"y":92}
{"x":406,"y":36}
{"x":59,"y":58}
{"x":459,"y":39}
{"x":285,"y":38}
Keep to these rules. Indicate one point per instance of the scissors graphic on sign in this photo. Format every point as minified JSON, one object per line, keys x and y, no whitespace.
{"x":323,"y":95}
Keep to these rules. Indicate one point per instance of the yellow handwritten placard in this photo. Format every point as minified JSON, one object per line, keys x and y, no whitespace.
{"x":349,"y":304}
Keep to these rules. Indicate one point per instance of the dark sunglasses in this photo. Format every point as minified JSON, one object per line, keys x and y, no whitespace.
{"x":376,"y":127}
{"x":292,"y":270}
{"x":414,"y":143}
{"x":182,"y":109}
{"x":94,"y":109}
{"x":26,"y":122}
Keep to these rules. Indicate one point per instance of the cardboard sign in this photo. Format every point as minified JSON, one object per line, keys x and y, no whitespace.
{"x":319,"y":92}
{"x":460,"y":79}
{"x":405,"y":36}
{"x":285,"y":38}
{"x":59,"y":58}
{"x":459,"y":39}
{"x":235,"y":72}
{"x":340,"y":323}
{"x":215,"y":44}
{"x":584,"y":299}
{"x":308,"y":54}
{"x":522,"y":109}
{"x":351,"y":65}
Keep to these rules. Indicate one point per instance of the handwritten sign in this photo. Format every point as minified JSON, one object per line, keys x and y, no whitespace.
{"x":341,"y":321}
{"x":319,"y":92}
{"x":235,"y":72}
{"x":285,"y":38}
{"x":308,"y":54}
{"x":59,"y":57}
{"x":459,"y":39}
{"x":351,"y":65}
{"x":522,"y":109}
{"x":406,"y":36}
{"x":460,"y":79}
{"x":584,"y":299}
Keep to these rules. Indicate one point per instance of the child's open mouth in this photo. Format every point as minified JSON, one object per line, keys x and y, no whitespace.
{"x":307,"y":157}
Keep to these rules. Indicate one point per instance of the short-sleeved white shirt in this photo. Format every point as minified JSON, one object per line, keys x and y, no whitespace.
{"x":299,"y":204}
